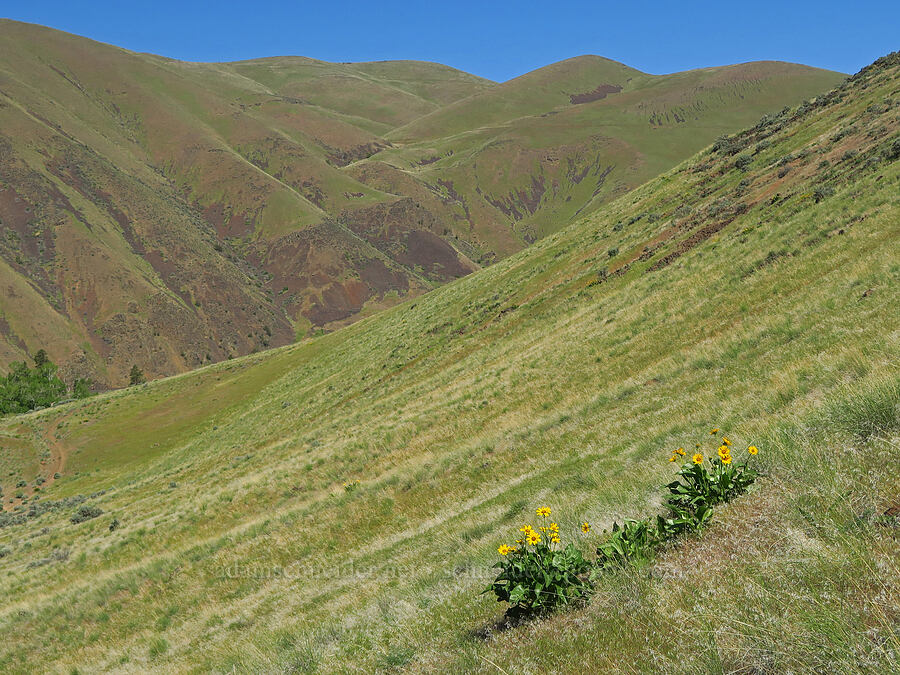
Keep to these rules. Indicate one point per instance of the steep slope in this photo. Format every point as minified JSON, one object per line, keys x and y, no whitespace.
{"x":170,"y":214}
{"x":752,"y":288}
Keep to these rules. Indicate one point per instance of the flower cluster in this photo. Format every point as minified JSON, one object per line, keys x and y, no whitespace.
{"x":723,"y":451}
{"x":532,"y":537}
{"x":538,"y":574}
{"x":676,"y":454}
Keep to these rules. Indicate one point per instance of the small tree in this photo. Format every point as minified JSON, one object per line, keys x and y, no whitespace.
{"x":81,"y":387}
{"x":136,"y":376}
{"x":40,"y":358}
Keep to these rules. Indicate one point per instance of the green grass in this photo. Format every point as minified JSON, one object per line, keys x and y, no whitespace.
{"x":534,"y":381}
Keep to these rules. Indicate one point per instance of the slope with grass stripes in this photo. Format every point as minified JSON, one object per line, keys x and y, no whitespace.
{"x":752,"y":288}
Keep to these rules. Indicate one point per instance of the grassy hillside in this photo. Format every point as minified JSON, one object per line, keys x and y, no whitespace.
{"x":173,"y":214}
{"x":751,"y":288}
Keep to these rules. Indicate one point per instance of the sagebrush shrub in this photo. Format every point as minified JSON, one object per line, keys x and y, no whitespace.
{"x":86,"y":512}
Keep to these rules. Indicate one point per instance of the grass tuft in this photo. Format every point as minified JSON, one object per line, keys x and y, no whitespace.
{"x":873,"y":411}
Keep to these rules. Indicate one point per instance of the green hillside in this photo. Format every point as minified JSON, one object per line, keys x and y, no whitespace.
{"x":751,"y":288}
{"x":168,"y":214}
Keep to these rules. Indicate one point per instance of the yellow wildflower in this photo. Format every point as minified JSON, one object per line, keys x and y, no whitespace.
{"x":505,"y":550}
{"x":585,"y":527}
{"x":673,"y":458}
{"x":544,"y":511}
{"x":714,"y":431}
{"x":725,"y":441}
{"x":752,"y":449}
{"x":698,"y":458}
{"x":526,"y":529}
{"x":554,"y":539}
{"x":533,"y":538}
{"x":680,"y":451}
{"x":726,"y":459}
{"x":544,"y":530}
{"x":724,"y":451}
{"x":554,"y":527}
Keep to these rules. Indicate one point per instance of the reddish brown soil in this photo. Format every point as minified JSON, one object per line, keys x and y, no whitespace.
{"x":597,"y":94}
{"x":403,"y":231}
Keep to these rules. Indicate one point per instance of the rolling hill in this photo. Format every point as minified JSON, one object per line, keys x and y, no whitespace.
{"x":172,"y":214}
{"x":335,"y":505}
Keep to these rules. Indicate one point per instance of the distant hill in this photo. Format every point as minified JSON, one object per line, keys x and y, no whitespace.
{"x":170,"y":214}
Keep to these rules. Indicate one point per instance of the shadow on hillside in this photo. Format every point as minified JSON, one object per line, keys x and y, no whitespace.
{"x":513,"y":618}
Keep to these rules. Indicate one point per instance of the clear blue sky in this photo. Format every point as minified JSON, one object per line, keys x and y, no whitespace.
{"x":498,"y":40}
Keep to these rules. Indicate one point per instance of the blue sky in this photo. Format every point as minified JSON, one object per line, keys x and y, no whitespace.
{"x":498,"y":40}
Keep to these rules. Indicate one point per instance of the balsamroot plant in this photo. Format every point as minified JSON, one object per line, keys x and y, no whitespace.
{"x":698,"y":488}
{"x":539,"y":574}
{"x":633,"y":543}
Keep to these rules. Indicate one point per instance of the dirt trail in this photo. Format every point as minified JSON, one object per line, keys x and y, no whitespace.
{"x":56,"y":464}
{"x":59,"y":452}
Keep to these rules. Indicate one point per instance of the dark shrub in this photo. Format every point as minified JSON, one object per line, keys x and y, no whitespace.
{"x":86,"y":512}
{"x":893,"y":150}
{"x":822,"y":192}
